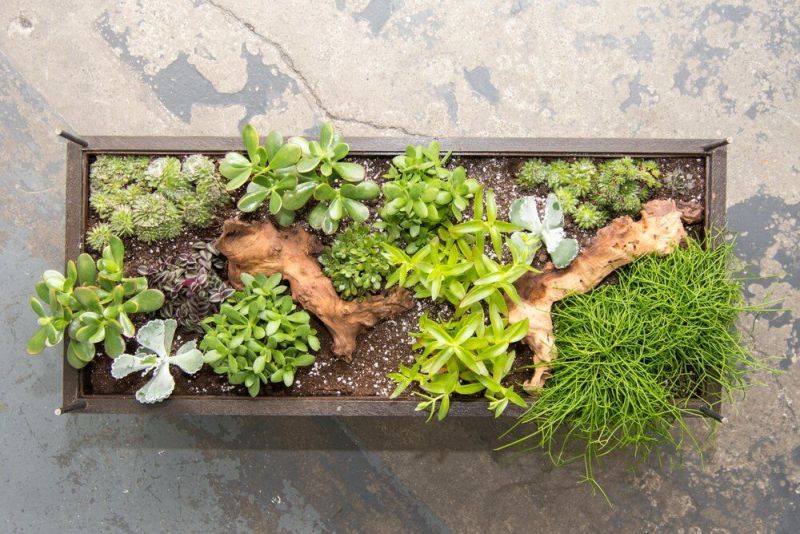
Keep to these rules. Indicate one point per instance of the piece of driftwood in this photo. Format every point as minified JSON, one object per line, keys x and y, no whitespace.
{"x":261,"y":248}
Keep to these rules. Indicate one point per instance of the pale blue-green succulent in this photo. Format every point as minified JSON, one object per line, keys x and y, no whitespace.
{"x":549,"y":230}
{"x":155,"y":354}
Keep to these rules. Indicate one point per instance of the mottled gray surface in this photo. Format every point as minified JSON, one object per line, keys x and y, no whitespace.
{"x":388,"y":67}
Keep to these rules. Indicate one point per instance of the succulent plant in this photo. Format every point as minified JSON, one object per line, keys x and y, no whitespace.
{"x":558,"y":174}
{"x":623,"y":183}
{"x":582,"y":176}
{"x":568,"y":199}
{"x":287,"y":175}
{"x":259,"y":336}
{"x":532,"y":174}
{"x":197,"y":167}
{"x":192,"y":284}
{"x":550,"y":230}
{"x":679,"y":181}
{"x":92,"y":304}
{"x":155,"y":354}
{"x":587,"y":216}
{"x":354,"y":262}
{"x":121,"y":222}
{"x":162,"y":172}
{"x":156,"y":218}
{"x":115,"y":172}
{"x":421,"y":194}
{"x":99,"y":236}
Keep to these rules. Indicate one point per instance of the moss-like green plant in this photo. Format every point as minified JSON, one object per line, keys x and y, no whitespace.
{"x":156,"y":218}
{"x":631,"y":354}
{"x":258,"y":336}
{"x":192,"y":284}
{"x":587,"y":216}
{"x":91,"y":304}
{"x":99,"y":236}
{"x":354,"y":262}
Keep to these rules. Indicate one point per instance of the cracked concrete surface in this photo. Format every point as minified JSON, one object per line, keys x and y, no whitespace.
{"x":389,"y":67}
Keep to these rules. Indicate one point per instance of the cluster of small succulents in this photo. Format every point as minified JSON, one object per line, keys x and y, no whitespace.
{"x":152,"y":199}
{"x":590,"y":193}
{"x":192,"y":284}
{"x":354,"y":262}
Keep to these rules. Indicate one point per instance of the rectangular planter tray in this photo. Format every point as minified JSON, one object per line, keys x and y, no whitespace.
{"x":75,"y":396}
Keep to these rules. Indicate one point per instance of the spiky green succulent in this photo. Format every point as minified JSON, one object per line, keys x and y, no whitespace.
{"x":623,"y":184}
{"x":198,"y":166}
{"x":587,"y":216}
{"x":99,"y":236}
{"x":582,"y":176}
{"x":156,"y":218}
{"x":115,"y":172}
{"x":162,"y":170}
{"x":558,"y":174}
{"x":679,"y":181}
{"x":532,"y":174}
{"x":121,"y":222}
{"x":568,"y":199}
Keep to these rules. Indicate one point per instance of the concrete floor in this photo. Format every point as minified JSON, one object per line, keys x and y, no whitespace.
{"x":388,"y":67}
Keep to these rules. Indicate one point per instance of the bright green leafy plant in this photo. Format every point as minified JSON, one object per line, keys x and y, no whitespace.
{"x":287,"y":175}
{"x":155,"y":354}
{"x":92,"y":304}
{"x":354,"y":262}
{"x":259,"y":336}
{"x":422,"y":194}
{"x":550,"y":230}
{"x":631,"y":355}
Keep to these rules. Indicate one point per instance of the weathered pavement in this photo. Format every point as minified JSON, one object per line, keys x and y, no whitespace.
{"x":391,"y":67}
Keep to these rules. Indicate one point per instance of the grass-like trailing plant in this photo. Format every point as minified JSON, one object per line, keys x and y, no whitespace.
{"x":91,"y":304}
{"x":259,"y":336}
{"x":287,"y":175}
{"x":354,"y":262}
{"x":422,"y":194}
{"x":155,"y":354}
{"x":590,"y":193}
{"x":191,"y":283}
{"x":152,"y":199}
{"x":631,"y":354}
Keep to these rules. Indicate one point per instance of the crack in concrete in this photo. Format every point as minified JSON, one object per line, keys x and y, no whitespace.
{"x":299,"y":76}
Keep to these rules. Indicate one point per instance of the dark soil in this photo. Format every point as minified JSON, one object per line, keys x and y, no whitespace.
{"x":384,"y":347}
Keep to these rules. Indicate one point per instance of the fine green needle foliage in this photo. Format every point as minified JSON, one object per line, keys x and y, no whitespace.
{"x":590,"y":193}
{"x":259,"y":336}
{"x":99,"y":236}
{"x":287,"y":175}
{"x":631,"y":354}
{"x":92,"y":304}
{"x":153,"y":200}
{"x":354,"y":262}
{"x":422,"y":195}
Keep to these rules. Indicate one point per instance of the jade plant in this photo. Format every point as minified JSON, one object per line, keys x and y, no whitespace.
{"x":354,"y":262}
{"x":155,"y":354}
{"x":549,"y":230}
{"x":153,"y":199}
{"x":421,"y":194}
{"x":259,"y":336}
{"x":91,"y":304}
{"x":287,"y":175}
{"x":192,"y":284}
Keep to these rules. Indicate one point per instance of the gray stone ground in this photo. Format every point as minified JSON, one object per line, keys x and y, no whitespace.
{"x":389,"y":67}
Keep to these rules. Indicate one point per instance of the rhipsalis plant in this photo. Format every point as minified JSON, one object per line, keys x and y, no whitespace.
{"x":354,"y":262}
{"x":550,"y":230}
{"x":287,"y":176}
{"x":422,"y":194}
{"x":259,"y":336}
{"x":192,"y":284}
{"x":154,"y":199}
{"x":155,"y":354}
{"x":92,"y":304}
